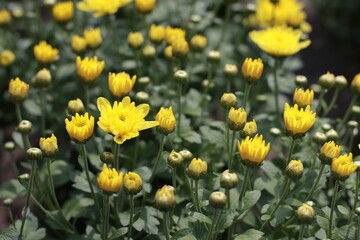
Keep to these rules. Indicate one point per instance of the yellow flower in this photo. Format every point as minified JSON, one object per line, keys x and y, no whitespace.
{"x":156,"y":33}
{"x":180,"y":48}
{"x":168,"y":53}
{"x":135,"y":39}
{"x":355,"y":84}
{"x":109,"y":180}
{"x":174,"y":34}
{"x":89,"y":69}
{"x":5,"y":17}
{"x":252,"y":69}
{"x":132,"y":183}
{"x":250,"y":129}
{"x":228,"y":100}
{"x":253,"y":151}
{"x":198,"y":42}
{"x":166,"y":120}
{"x":294,"y":169}
{"x":80,"y":128}
{"x":7,"y":58}
{"x":45,"y":53}
{"x":145,"y":6}
{"x":63,"y":11}
{"x":343,"y":166}
{"x":279,"y":41}
{"x":298,"y":122}
{"x":49,"y":145}
{"x":237,"y":118}
{"x":197,"y":168}
{"x":102,"y":7}
{"x":93,"y":37}
{"x":165,"y":198}
{"x":303,"y":98}
{"x":18,"y":89}
{"x":75,"y":106}
{"x":328,"y":152}
{"x":124,"y":120}
{"x":121,"y":84}
{"x":78,"y":44}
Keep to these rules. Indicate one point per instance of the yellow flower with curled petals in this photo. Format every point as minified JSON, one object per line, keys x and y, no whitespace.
{"x":45,"y":53}
{"x":89,"y":68}
{"x":93,"y":37}
{"x":250,"y":129}
{"x":166,"y":119}
{"x":343,"y":166}
{"x":252,"y":69}
{"x":237,"y":118}
{"x":303,"y":98}
{"x":197,"y":168}
{"x":102,"y":7}
{"x":174,"y":34}
{"x":78,"y":44}
{"x":49,"y":145}
{"x":145,"y":6}
{"x":123,"y":120}
{"x":298,"y":121}
{"x":132,"y":183}
{"x":180,"y":48}
{"x":156,"y":33}
{"x":279,"y":41}
{"x":80,"y":128}
{"x":121,"y":84}
{"x":18,"y":90}
{"x":109,"y":180}
{"x":63,"y":11}
{"x":253,"y":151}
{"x":328,"y":152}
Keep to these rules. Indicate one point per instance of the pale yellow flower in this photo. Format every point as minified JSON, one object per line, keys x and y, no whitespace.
{"x":102,"y":7}
{"x":49,"y":145}
{"x":121,"y":84}
{"x":197,"y":168}
{"x":253,"y":151}
{"x":132,"y":183}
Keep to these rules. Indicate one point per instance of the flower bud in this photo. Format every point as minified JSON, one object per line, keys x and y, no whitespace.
{"x":303,"y":98}
{"x":145,"y":6}
{"x":252,"y":69}
{"x":144,"y":81}
{"x":316,"y":88}
{"x":180,"y":48}
{"x":24,"y":127}
{"x":301,"y":81}
{"x":217,"y":200}
{"x":310,"y":203}
{"x":5,"y":17}
{"x":34,"y":154}
{"x":167,"y":121}
{"x":214,"y":57}
{"x":181,"y":76}
{"x":109,"y":180}
{"x":142,"y":97}
{"x":207,"y":84}
{"x":175,"y":159}
{"x":78,"y":44}
{"x":228,"y":180}
{"x":135,"y":40}
{"x":326,"y":127}
{"x":197,"y":169}
{"x":7,"y":58}
{"x":340,"y":81}
{"x":355,"y":84}
{"x":169,"y":53}
{"x":305,"y":214}
{"x":198,"y":43}
{"x":352,"y":124}
{"x":24,"y":177}
{"x":319,"y":138}
{"x":228,"y":100}
{"x":149,"y":52}
{"x":275,"y":132}
{"x":294,"y":169}
{"x":49,"y":146}
{"x":250,"y":129}
{"x":332,"y":135}
{"x":8,"y":202}
{"x":76,"y":106}
{"x":230,"y":70}
{"x":42,"y":79}
{"x":132,"y":183}
{"x":9,"y":146}
{"x":355,"y":110}
{"x":261,"y":98}
{"x":93,"y":37}
{"x":18,"y":90}
{"x":186,"y":154}
{"x":107,"y":157}
{"x":357,"y":211}
{"x":237,"y":119}
{"x":328,"y":152}
{"x":156,"y":33}
{"x":357,"y":163}
{"x":195,"y":18}
{"x":327,"y":80}
{"x":165,"y":198}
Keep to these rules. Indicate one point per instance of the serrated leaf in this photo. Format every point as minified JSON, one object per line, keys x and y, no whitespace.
{"x":9,"y":234}
{"x":119,"y":233}
{"x":200,"y":217}
{"x":147,"y":221}
{"x":249,"y":200}
{"x":12,"y":189}
{"x":323,"y":222}
{"x":181,"y":233}
{"x":31,"y":228}
{"x":250,"y":234}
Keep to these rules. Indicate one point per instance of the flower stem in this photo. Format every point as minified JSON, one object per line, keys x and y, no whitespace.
{"x":43,"y":110}
{"x":131,"y":215}
{"x":13,"y":163}
{"x":316,"y":183}
{"x":347,"y":114}
{"x":26,"y":208}
{"x":161,"y":148}
{"x":321,"y":97}
{"x":187,"y":183}
{"x":166,"y":225}
{"x":333,"y":200}
{"x":227,"y":192}
{"x":357,"y":183}
{"x":301,"y":233}
{"x":106,"y":208}
{"x":332,"y":103}
{"x":179,"y":109}
{"x":197,"y":195}
{"x":174,"y":177}
{"x":116,"y":156}
{"x":116,"y":200}
{"x":18,"y":112}
{"x":224,"y":26}
{"x":291,"y":149}
{"x":276,"y":87}
{"x":231,"y":157}
{"x":11,"y":216}
{"x":86,"y":96}
{"x":243,"y":186}
{"x":213,"y":224}
{"x":246,"y":94}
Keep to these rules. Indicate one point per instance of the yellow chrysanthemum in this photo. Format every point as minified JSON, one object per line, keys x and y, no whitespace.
{"x":156,"y":33}
{"x":145,"y":5}
{"x":329,"y":151}
{"x":93,"y":37}
{"x":165,"y":198}
{"x":279,"y":41}
{"x":7,"y":58}
{"x":63,"y":11}
{"x":298,"y":122}
{"x":252,"y":69}
{"x":78,"y":44}
{"x":197,"y":168}
{"x":102,"y":7}
{"x":355,"y":84}
{"x":132,"y":183}
{"x":237,"y":118}
{"x":180,"y":48}
{"x":45,"y":53}
{"x":121,"y":84}
{"x":49,"y":145}
{"x":168,"y":52}
{"x":253,"y":151}
{"x":343,"y":166}
{"x":174,"y":34}
{"x":124,"y":120}
{"x":135,"y":39}
{"x":5,"y":17}
{"x":303,"y":98}
{"x":198,"y":42}
{"x":250,"y":129}
{"x":109,"y":180}
{"x":166,"y":120}
{"x":18,"y":89}
{"x":80,"y":128}
{"x":89,"y":68}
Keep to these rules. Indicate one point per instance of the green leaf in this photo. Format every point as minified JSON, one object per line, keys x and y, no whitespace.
{"x":92,"y":234}
{"x":32,"y":107}
{"x":323,"y":223}
{"x":144,"y":172}
{"x":181,"y":233}
{"x":249,"y":200}
{"x":345,"y":232}
{"x":9,"y":234}
{"x":61,"y":172}
{"x":147,"y":220}
{"x":250,"y":234}
{"x":227,"y":219}
{"x":81,"y":183}
{"x":191,"y":137}
{"x":281,"y":215}
{"x":12,"y":189}
{"x":343,"y":210}
{"x":200,"y":217}
{"x":31,"y":228}
{"x":119,"y":233}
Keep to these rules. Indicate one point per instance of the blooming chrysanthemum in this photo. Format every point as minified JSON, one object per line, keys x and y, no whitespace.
{"x":102,"y":7}
{"x":109,"y":180}
{"x":78,"y":44}
{"x":252,"y":69}
{"x":45,"y":53}
{"x":303,"y":98}
{"x":298,"y":121}
{"x":49,"y":145}
{"x":253,"y":151}
{"x":80,"y":128}
{"x":343,"y":166}
{"x":7,"y":58}
{"x":166,"y":120}
{"x":89,"y":68}
{"x":279,"y":41}
{"x":63,"y":11}
{"x":18,"y":89}
{"x":124,"y":120}
{"x":121,"y":84}
{"x":329,"y":151}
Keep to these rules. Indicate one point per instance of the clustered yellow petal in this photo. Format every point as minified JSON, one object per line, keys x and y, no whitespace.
{"x":252,"y":69}
{"x":328,"y":152}
{"x":132,"y":183}
{"x":63,"y":11}
{"x":49,"y":145}
{"x":343,"y":166}
{"x":165,"y":198}
{"x":253,"y":151}
{"x":78,"y":43}
{"x":121,"y":84}
{"x":197,"y":168}
{"x":5,"y":17}
{"x":156,"y":33}
{"x":80,"y":128}
{"x":7,"y":58}
{"x":166,"y":119}
{"x":145,"y":6}
{"x":298,"y":122}
{"x":102,"y":7}
{"x":279,"y":41}
{"x":237,"y":119}
{"x":174,"y":34}
{"x":123,"y":120}
{"x":303,"y":98}
{"x":135,"y":39}
{"x":45,"y":53}
{"x":93,"y":37}
{"x":109,"y":180}
{"x":89,"y":68}
{"x":250,"y":129}
{"x":18,"y":89}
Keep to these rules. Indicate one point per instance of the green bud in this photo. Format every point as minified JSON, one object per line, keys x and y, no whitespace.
{"x":305,"y":214}
{"x":25,"y":127}
{"x":214,"y":57}
{"x":186,"y":154}
{"x":228,"y":180}
{"x":207,"y":84}
{"x":34,"y":154}
{"x":326,"y":127}
{"x":107,"y":157}
{"x":42,"y":79}
{"x":352,"y":124}
{"x":149,"y":52}
{"x":261,"y":98}
{"x":327,"y":80}
{"x":301,"y":81}
{"x":332,"y":135}
{"x":24,"y":177}
{"x":175,"y":159}
{"x":355,"y":110}
{"x":340,"y":81}
{"x":275,"y":132}
{"x":8,"y":202}
{"x":143,"y":80}
{"x":195,"y":18}
{"x":294,"y":169}
{"x":181,"y":76}
{"x":230,"y":70}
{"x":9,"y":146}
{"x":316,"y":88}
{"x":217,"y":200}
{"x":142,"y":97}
{"x":228,"y":100}
{"x":357,"y":211}
{"x":319,"y":138}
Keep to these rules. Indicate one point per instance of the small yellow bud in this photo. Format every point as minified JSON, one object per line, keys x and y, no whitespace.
{"x":175,"y":159}
{"x":24,"y":127}
{"x":319,"y":138}
{"x":180,"y":48}
{"x":217,"y":200}
{"x":80,"y":128}
{"x":303,"y":98}
{"x":121,"y":84}
{"x":78,"y":44}
{"x":145,"y":6}
{"x":166,"y":119}
{"x":301,"y":80}
{"x":132,"y":183}
{"x":355,"y":84}
{"x":18,"y":90}
{"x":7,"y":58}
{"x":156,"y":33}
{"x":342,"y":167}
{"x":237,"y":119}
{"x":149,"y":52}
{"x":5,"y":17}
{"x":198,"y":43}
{"x":165,"y":198}
{"x":294,"y":169}
{"x":228,"y":180}
{"x":49,"y":146}
{"x":174,"y":34}
{"x":214,"y":57}
{"x":109,"y":180}
{"x":42,"y":78}
{"x":63,"y":11}
{"x":107,"y":157}
{"x":186,"y":154}
{"x":305,"y":214}
{"x":45,"y":53}
{"x":230,"y":70}
{"x":34,"y":154}
{"x":328,"y":152}
{"x":197,"y":169}
{"x":75,"y":106}
{"x":250,"y":129}
{"x":252,"y":69}
{"x":327,"y":80}
{"x":135,"y":40}
{"x":93,"y":37}
{"x":228,"y":100}
{"x":340,"y":81}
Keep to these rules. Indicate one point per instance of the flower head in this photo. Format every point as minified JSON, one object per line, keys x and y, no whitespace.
{"x":228,"y":100}
{"x":7,"y":58}
{"x":166,"y":119}
{"x":230,"y":70}
{"x":174,"y":34}
{"x":102,"y":7}
{"x":168,"y":52}
{"x":156,"y":33}
{"x":76,"y":106}
{"x":252,"y":69}
{"x":109,"y":180}
{"x":253,"y":151}
{"x":132,"y":183}
{"x":355,"y":84}
{"x":298,"y":122}
{"x":328,"y":152}
{"x":135,"y":39}
{"x":93,"y":37}
{"x":42,"y":78}
{"x":305,"y":213}
{"x":250,"y":129}
{"x":121,"y":84}
{"x":63,"y":11}
{"x":49,"y":145}
{"x":228,"y":180}
{"x":180,"y":48}
{"x":45,"y":53}
{"x":237,"y":118}
{"x":198,"y":42}
{"x":78,"y":44}
{"x":217,"y":200}
{"x":165,"y":198}
{"x":18,"y":89}
{"x":303,"y":98}
{"x":80,"y":128}
{"x":343,"y":166}
{"x":5,"y":17}
{"x":89,"y":68}
{"x":279,"y":41}
{"x":197,"y":168}
{"x":123,"y":120}
{"x":145,"y":6}
{"x":294,"y":169}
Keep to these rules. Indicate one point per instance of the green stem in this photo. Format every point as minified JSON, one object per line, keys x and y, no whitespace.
{"x":11,"y":216}
{"x":316,"y":183}
{"x":86,"y":96}
{"x":217,"y":223}
{"x":347,"y":113}
{"x":138,"y":62}
{"x":174,"y":177}
{"x":243,"y":186}
{"x":213,"y":224}
{"x":246,"y":94}
{"x":43,"y":110}
{"x":321,"y":97}
{"x":232,"y":149}
{"x":106,"y":208}
{"x":38,"y":19}
{"x":26,"y":208}
{"x":291,"y":149}
{"x":197,"y":195}
{"x":116,"y":156}
{"x":301,"y":233}
{"x":357,"y":183}
{"x":225,"y":26}
{"x":276,"y":87}
{"x":227,"y":192}
{"x":18,"y":112}
{"x":228,"y":85}
{"x":332,"y":103}
{"x":187,"y":183}
{"x":179,"y":109}
{"x":166,"y":225}
{"x":116,"y":200}
{"x":161,"y":148}
{"x":84,"y":156}
{"x":333,"y":200}
{"x":131,"y":215}
{"x":13,"y":163}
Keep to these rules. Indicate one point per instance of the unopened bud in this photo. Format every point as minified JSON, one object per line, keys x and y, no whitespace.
{"x":165,"y":198}
{"x":175,"y":159}
{"x":142,"y":97}
{"x":8,"y":202}
{"x":76,"y":106}
{"x":107,"y":157}
{"x":230,"y":70}
{"x":261,"y":98}
{"x":149,"y":52}
{"x":34,"y":154}
{"x":352,"y":124}
{"x":357,"y":211}
{"x":42,"y":79}
{"x":197,"y":169}
{"x":357,"y":163}
{"x":207,"y":84}
{"x":25,"y":177}
{"x":217,"y":200}
{"x":228,"y":180}
{"x":316,"y":88}
{"x":355,"y":110}
{"x":340,"y":81}
{"x":181,"y":76}
{"x":228,"y":100}
{"x":275,"y":132}
{"x":327,"y":80}
{"x":310,"y":203}
{"x":186,"y":154}
{"x":249,"y":130}
{"x":294,"y":169}
{"x":9,"y":146}
{"x":214,"y":57}
{"x":301,"y":81}
{"x":305,"y":214}
{"x":319,"y":138}
{"x":143,"y":80}
{"x":326,"y":127}
{"x":24,"y":127}
{"x":332,"y":135}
